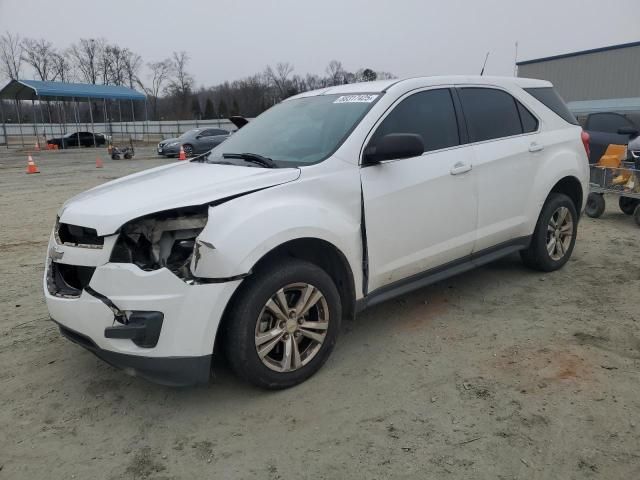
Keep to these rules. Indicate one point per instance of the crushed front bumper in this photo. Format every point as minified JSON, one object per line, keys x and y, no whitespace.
{"x":173,"y":371}
{"x":190,"y":314}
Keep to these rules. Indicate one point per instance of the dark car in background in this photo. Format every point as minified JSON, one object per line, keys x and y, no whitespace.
{"x":608,"y":128}
{"x":79,"y":139}
{"x":194,"y":142}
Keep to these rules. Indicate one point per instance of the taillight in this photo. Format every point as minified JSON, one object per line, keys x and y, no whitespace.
{"x":585,"y":141}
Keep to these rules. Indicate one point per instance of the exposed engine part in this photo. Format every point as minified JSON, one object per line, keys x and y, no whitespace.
{"x":166,"y":239}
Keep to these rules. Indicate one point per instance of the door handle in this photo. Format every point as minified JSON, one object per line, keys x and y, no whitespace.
{"x":536,"y":147}
{"x":459,"y":168}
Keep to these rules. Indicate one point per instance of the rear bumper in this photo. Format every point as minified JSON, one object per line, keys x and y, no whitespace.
{"x":170,"y":371}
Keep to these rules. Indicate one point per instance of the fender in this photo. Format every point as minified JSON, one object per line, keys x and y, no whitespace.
{"x":564,"y":159}
{"x":240,"y":232}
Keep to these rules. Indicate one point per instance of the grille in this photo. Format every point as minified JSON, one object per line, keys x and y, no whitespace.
{"x":68,"y":234}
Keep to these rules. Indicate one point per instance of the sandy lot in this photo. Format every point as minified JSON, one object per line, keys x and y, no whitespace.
{"x":501,"y":373}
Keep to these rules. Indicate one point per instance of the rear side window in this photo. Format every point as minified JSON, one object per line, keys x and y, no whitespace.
{"x":489,"y":113}
{"x":607,"y":122}
{"x":553,"y":101}
{"x":430,"y":114}
{"x":529,"y":122}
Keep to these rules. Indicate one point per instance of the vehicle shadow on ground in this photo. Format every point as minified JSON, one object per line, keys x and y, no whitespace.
{"x":419,"y":309}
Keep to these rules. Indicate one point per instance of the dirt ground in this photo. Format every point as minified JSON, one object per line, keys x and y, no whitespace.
{"x":500,"y":373}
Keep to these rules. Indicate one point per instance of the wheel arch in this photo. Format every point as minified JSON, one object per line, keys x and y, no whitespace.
{"x":314,"y":250}
{"x":571,"y":187}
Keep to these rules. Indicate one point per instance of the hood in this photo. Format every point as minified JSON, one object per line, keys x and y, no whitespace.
{"x":107,"y":207}
{"x":168,"y":140}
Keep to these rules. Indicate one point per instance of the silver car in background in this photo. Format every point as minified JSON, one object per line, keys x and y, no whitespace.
{"x":194,"y":142}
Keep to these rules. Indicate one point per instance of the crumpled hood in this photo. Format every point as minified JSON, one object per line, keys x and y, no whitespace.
{"x":107,"y":207}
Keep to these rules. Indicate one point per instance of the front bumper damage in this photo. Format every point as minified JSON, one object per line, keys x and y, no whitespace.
{"x":152,"y":324}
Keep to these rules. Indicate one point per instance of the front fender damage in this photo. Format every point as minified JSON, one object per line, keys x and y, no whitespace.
{"x":169,"y":239}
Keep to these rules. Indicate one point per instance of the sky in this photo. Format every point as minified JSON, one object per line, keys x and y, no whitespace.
{"x":230,"y":39}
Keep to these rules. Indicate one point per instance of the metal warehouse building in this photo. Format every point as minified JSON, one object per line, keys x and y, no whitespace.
{"x":603,"y":79}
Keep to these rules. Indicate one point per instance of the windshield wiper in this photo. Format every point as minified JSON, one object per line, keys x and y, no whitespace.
{"x":266,"y":162}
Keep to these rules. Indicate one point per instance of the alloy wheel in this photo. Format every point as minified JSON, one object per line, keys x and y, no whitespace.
{"x":292,"y":327}
{"x":559,"y":233}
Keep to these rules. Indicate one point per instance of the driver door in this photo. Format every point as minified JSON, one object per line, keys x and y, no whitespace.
{"x":420,"y":212}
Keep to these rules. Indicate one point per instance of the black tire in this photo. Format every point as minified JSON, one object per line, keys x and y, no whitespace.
{"x":239,"y":342}
{"x":628,"y":205}
{"x":595,"y":205}
{"x":536,"y":256}
{"x":636,"y":215}
{"x":188,"y":149}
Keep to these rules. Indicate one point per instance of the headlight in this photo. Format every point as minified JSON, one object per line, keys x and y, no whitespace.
{"x":162,"y":240}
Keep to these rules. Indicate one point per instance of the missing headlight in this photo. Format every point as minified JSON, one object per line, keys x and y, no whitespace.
{"x":160,"y":240}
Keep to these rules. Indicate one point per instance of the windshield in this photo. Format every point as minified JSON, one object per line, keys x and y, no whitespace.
{"x":190,"y":133}
{"x":298,"y":132}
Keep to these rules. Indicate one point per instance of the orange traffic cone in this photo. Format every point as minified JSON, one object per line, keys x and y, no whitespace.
{"x":182,"y":156}
{"x":31,"y":166}
{"x":37,"y":147}
{"x":98,"y":162}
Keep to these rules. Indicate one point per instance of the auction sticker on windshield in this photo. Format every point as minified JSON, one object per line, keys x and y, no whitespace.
{"x":355,"y":99}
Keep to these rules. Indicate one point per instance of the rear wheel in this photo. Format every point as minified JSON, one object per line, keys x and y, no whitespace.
{"x":595,"y":205}
{"x":283,"y":324}
{"x":628,"y":205}
{"x":554,"y":236}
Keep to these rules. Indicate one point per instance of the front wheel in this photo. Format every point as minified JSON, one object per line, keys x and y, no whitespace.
{"x":283,"y":324}
{"x":188,"y":149}
{"x":554,"y":237}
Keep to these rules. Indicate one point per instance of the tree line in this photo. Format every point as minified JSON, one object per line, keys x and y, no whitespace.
{"x":170,"y":88}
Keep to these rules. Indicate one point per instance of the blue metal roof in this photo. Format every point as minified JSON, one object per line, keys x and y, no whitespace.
{"x":34,"y":89}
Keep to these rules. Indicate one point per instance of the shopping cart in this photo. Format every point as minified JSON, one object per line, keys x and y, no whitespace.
{"x":620,"y":178}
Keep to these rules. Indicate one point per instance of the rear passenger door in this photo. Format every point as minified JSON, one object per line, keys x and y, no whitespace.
{"x":504,"y":135}
{"x":420,"y":212}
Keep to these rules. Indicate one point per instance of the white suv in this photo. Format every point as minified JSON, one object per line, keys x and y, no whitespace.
{"x":327,"y":203}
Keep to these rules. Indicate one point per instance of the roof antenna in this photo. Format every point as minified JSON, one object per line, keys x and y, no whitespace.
{"x":484,"y":64}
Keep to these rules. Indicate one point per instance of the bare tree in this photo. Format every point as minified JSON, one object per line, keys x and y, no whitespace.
{"x":336,"y":72}
{"x":279,"y":78}
{"x":160,"y":72}
{"x":132,"y":63}
{"x":39,"y":54}
{"x":10,"y":56}
{"x":86,"y":56}
{"x":182,"y":82}
{"x":62,"y":67}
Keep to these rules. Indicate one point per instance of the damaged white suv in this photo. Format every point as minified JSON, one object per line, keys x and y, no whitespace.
{"x":327,"y":203}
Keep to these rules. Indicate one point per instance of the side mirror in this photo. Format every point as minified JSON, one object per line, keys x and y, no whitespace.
{"x":394,"y":146}
{"x":631,"y":131}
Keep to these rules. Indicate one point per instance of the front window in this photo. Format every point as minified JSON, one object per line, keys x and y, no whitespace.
{"x":298,"y":132}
